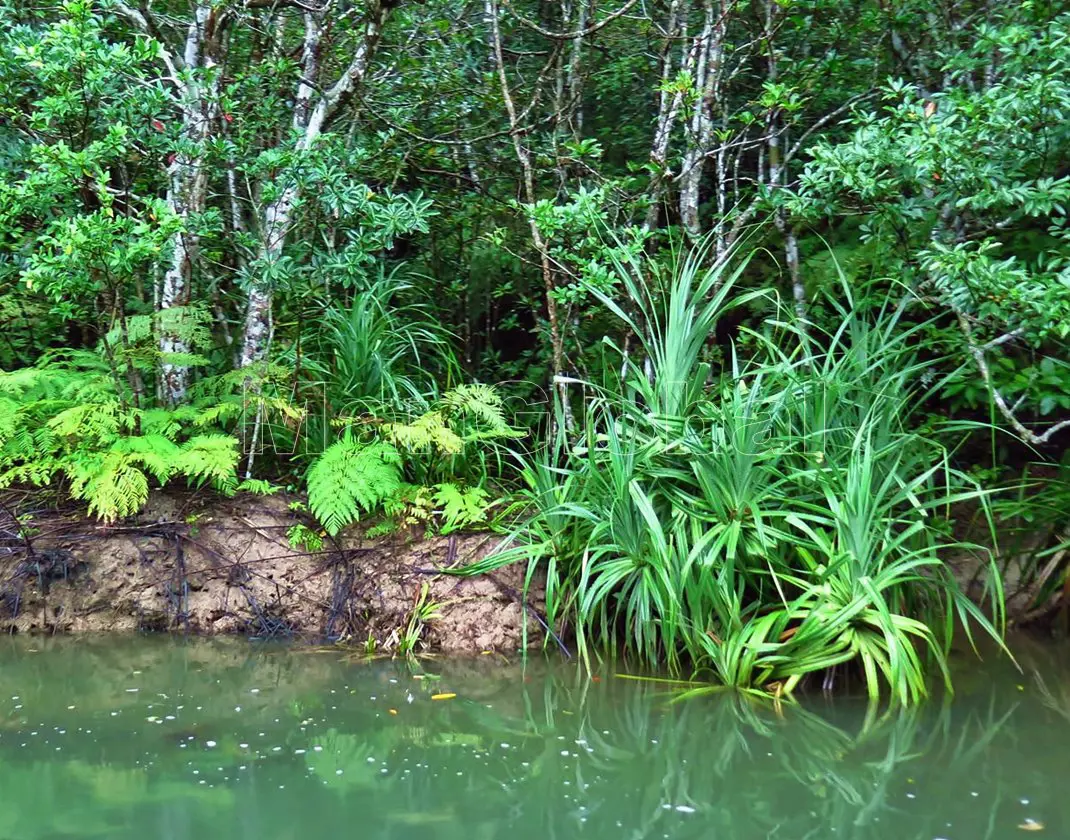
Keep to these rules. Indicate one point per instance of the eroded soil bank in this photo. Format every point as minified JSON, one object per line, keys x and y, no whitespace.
{"x":199,"y":563}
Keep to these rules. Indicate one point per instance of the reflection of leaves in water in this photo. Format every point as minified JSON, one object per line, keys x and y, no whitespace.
{"x":347,"y":761}
{"x":114,"y":786}
{"x":110,"y":785}
{"x":526,"y":759}
{"x":749,"y":767}
{"x":77,"y":799}
{"x":30,"y":806}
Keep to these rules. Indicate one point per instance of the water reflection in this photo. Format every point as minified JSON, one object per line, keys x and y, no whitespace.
{"x":152,"y":738}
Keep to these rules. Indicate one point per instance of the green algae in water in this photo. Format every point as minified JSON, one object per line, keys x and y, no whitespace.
{"x":155,"y":738}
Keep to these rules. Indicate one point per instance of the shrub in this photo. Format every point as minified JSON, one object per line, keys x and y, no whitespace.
{"x":779,"y":519}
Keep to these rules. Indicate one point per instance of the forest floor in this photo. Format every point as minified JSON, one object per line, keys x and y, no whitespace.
{"x":195,"y":562}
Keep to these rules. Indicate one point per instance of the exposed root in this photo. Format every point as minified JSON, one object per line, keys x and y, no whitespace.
{"x":198,"y":563}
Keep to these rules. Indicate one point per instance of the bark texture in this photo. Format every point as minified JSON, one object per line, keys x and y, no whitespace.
{"x":314,"y":105}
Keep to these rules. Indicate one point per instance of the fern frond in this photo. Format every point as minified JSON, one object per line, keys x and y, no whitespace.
{"x":218,"y":413}
{"x":349,"y":477}
{"x":460,"y":506}
{"x":184,"y":414}
{"x":482,"y":406}
{"x":250,"y":380}
{"x":112,"y":485}
{"x":39,"y":472}
{"x":476,"y":400}
{"x":192,"y":324}
{"x":137,"y":328}
{"x":284,"y":407}
{"x":210,"y":458}
{"x":302,"y":536}
{"x":429,"y":430}
{"x":44,"y":439}
{"x":160,"y":421}
{"x":21,"y":380}
{"x":156,"y":453}
{"x":258,"y":487}
{"x":99,"y":422}
{"x":19,"y":445}
{"x":9,"y":425}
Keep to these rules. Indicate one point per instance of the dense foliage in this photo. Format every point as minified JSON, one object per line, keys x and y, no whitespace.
{"x":775,"y":295}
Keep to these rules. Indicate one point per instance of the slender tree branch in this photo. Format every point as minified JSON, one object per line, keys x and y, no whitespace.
{"x":978,"y":353}
{"x":825,"y":120}
{"x":576,"y":34}
{"x":144,"y":23}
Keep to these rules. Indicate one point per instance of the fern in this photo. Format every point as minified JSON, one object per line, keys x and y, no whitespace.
{"x":431,"y":441}
{"x":64,"y":416}
{"x":189,"y":325}
{"x":112,"y":485}
{"x":91,"y":421}
{"x":155,"y":453}
{"x":465,"y":414}
{"x":218,"y":413}
{"x":258,"y":487}
{"x":299,"y":536}
{"x":9,"y":426}
{"x":429,"y":430}
{"x":461,"y":507}
{"x":411,"y":505}
{"x":244,"y":382}
{"x":161,"y":422}
{"x":20,"y":381}
{"x":210,"y":458}
{"x":39,"y":472}
{"x":349,"y":477}
{"x":479,"y":401}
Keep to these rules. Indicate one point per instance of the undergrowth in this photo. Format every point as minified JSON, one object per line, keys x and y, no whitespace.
{"x":65,"y":418}
{"x":783,"y":517}
{"x":412,"y":469}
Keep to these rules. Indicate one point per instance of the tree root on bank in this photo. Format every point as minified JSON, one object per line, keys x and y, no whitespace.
{"x":195,"y":562}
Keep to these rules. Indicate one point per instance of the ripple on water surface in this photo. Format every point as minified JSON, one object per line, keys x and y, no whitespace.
{"x":149,"y":737}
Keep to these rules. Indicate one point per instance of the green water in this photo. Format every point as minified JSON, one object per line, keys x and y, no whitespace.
{"x":152,"y":738}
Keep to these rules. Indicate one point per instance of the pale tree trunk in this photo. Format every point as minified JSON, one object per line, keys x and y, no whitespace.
{"x":196,"y":81}
{"x":568,"y":92}
{"x":669,"y":104}
{"x":778,"y":174}
{"x":523,"y":156}
{"x":574,"y":78}
{"x":188,"y":188}
{"x":708,"y":56}
{"x":313,"y":106}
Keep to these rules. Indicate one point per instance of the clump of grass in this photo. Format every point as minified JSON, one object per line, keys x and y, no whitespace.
{"x":772,"y":520}
{"x":380,"y":348}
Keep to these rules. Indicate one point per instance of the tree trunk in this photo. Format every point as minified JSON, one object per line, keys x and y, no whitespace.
{"x":523,"y":156}
{"x":707,"y":54}
{"x":188,"y":190}
{"x":669,"y":104}
{"x":313,"y":106}
{"x":196,"y":82}
{"x":778,"y":175}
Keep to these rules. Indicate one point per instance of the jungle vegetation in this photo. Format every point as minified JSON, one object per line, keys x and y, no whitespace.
{"x":739,"y":320}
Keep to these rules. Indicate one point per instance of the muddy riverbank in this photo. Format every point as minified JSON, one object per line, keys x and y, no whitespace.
{"x":199,"y":563}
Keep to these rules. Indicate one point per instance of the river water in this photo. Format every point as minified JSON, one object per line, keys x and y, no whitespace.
{"x":155,"y":738}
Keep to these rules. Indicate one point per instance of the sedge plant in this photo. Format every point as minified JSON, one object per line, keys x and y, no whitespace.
{"x":773,"y":518}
